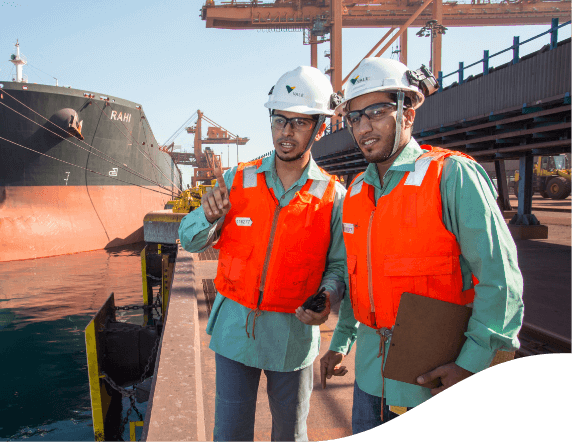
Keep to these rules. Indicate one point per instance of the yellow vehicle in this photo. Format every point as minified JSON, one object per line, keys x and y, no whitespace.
{"x":551,"y":176}
{"x":190,"y":199}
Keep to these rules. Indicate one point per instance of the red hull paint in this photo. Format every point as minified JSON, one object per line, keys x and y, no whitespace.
{"x":37,"y":222}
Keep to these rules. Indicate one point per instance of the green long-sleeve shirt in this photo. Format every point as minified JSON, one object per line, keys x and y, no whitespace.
{"x":471,"y":213}
{"x":283,"y":343}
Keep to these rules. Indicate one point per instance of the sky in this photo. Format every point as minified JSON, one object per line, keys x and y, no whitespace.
{"x":162,"y":56}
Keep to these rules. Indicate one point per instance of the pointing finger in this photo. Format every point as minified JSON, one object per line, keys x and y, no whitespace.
{"x":220,"y":180}
{"x":323,"y":369}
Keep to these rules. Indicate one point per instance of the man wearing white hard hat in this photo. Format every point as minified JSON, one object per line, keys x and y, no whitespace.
{"x":278,"y":225}
{"x":422,"y":220}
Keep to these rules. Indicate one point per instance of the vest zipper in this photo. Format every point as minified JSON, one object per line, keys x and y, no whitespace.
{"x":269,"y":248}
{"x":369,"y":266}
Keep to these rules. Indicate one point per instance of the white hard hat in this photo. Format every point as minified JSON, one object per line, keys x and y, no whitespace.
{"x":376,"y":74}
{"x":305,"y":90}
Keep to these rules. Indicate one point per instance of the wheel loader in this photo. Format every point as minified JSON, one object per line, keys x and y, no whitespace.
{"x":551,"y":176}
{"x":189,"y":199}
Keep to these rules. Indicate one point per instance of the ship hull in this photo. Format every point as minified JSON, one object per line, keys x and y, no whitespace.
{"x":68,"y":195}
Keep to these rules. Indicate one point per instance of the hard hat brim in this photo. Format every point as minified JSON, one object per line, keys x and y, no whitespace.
{"x":299,"y":109}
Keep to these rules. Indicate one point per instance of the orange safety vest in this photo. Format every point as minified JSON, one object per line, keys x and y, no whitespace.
{"x":280,"y":251}
{"x":401,"y":244}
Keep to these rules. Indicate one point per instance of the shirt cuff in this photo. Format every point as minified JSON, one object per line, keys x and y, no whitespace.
{"x":473,"y":357}
{"x":213,"y":228}
{"x":336,"y":289}
{"x":341,"y":343}
{"x":202,"y":219}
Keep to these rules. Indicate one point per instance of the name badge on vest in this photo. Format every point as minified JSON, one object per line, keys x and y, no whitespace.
{"x":246,"y":222}
{"x":348,"y":228}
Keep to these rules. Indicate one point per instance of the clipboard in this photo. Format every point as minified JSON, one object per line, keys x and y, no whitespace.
{"x":428,"y":333}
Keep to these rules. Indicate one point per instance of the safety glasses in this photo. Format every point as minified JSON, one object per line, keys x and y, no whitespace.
{"x":279,"y":122}
{"x":374,"y":112}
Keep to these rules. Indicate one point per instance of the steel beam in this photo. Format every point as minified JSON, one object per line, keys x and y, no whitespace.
{"x":336,"y":49}
{"x":408,"y":23}
{"x":525,"y":191}
{"x":387,"y":34}
{"x":403,"y":48}
{"x":438,"y":40}
{"x":378,"y":13}
{"x":514,"y":134}
{"x":501,"y":120}
{"x":313,"y":52}
{"x":504,"y":201}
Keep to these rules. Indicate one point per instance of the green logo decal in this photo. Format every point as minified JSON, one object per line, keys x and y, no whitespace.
{"x":353,"y":80}
{"x":290,"y":89}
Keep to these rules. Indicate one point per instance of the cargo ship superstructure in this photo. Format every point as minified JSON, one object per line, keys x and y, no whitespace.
{"x":78,"y":170}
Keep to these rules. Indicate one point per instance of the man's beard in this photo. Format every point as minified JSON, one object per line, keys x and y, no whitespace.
{"x":288,"y":160}
{"x":379,"y":156}
{"x":376,"y":157}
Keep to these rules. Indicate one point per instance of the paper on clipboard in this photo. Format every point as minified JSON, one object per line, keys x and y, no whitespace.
{"x":428,"y":333}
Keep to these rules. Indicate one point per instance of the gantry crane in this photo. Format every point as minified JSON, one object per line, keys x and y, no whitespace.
{"x":205,"y":162}
{"x":323,"y":20}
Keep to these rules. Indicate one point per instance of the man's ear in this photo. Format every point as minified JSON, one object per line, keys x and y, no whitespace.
{"x":320,"y":133}
{"x":408,"y":117}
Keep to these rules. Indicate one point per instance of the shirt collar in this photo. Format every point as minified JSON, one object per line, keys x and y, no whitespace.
{"x":405,"y":162}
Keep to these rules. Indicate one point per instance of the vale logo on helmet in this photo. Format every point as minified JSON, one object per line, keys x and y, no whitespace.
{"x":290,"y":89}
{"x":357,"y":79}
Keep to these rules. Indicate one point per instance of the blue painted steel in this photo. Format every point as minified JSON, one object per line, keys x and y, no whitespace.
{"x":554,"y":34}
{"x":485,"y":62}
{"x":516,"y":45}
{"x":515,"y":48}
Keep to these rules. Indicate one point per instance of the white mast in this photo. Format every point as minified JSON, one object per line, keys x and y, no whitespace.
{"x":19,"y":61}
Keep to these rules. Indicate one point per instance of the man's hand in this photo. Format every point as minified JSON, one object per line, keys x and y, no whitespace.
{"x":311,"y":317}
{"x":330,"y":366}
{"x":216,"y":202}
{"x":449,"y":374}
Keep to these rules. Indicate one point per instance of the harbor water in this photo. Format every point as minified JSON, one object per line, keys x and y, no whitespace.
{"x":45,"y":305}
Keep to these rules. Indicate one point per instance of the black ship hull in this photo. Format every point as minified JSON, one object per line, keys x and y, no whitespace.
{"x":60,"y":193}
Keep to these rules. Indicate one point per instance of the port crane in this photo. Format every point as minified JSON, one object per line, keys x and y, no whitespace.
{"x":203,"y":162}
{"x":322,"y":20}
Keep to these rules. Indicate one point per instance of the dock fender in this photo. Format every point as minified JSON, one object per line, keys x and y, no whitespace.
{"x":127,"y":350}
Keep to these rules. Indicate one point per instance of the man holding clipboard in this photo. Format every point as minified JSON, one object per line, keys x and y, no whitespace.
{"x":422,"y":220}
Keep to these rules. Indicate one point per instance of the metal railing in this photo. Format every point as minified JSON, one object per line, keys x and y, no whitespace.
{"x":331,"y":128}
{"x":553,"y":31}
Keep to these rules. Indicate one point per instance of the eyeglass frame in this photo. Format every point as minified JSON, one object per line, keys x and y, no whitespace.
{"x":362,"y":112}
{"x":290,"y":121}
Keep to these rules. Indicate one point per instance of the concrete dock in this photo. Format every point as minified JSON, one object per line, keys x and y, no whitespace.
{"x":182,"y":399}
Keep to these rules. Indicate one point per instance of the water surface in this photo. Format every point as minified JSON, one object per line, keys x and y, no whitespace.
{"x":45,"y":305}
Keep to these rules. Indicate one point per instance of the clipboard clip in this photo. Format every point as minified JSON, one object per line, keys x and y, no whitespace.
{"x":385,"y":332}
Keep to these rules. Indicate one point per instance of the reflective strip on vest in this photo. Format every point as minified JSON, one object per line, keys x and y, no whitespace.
{"x":356,"y":188}
{"x":415,"y":178}
{"x":318,"y":188}
{"x":249,"y":177}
